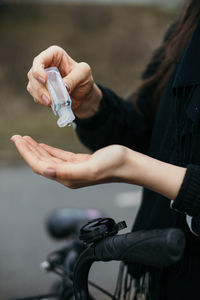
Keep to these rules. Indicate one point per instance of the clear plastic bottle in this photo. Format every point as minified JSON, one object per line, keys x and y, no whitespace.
{"x":61,"y":101}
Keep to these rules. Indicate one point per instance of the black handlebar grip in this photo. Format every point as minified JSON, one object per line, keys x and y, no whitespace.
{"x":156,"y":248}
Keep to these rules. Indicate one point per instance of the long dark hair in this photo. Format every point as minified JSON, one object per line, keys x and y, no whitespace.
{"x":170,"y":51}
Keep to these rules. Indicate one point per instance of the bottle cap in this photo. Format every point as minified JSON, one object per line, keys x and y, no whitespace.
{"x":66,"y":116}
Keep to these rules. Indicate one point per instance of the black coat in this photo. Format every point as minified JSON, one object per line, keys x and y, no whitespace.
{"x":173,"y":136}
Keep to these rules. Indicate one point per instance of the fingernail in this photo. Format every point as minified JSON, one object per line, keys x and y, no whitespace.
{"x":41,"y":79}
{"x":45,"y":99}
{"x":67,"y":87}
{"x":50,"y":173}
{"x":14,"y":137}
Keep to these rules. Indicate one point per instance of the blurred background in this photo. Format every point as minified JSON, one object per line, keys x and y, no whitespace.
{"x":117,"y":39}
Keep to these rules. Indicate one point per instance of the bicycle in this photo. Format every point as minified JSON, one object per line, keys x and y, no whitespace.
{"x":99,"y":241}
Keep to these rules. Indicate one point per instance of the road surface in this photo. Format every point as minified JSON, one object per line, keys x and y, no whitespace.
{"x":26,"y":200}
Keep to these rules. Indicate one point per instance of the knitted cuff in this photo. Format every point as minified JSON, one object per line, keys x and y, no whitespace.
{"x":188,"y":198}
{"x":103,"y":113}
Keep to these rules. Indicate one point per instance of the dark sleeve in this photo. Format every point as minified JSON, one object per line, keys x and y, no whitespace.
{"x":188,"y":198}
{"x":117,"y":122}
{"x":120,"y":121}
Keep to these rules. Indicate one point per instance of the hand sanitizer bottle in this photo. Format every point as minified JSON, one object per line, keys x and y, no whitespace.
{"x":61,"y":101}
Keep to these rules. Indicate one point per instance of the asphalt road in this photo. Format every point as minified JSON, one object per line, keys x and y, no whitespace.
{"x":26,"y":200}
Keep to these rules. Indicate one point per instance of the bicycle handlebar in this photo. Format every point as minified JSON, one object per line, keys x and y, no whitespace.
{"x":156,"y":248}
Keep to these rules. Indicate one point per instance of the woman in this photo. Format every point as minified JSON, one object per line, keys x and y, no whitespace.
{"x":152,"y":139}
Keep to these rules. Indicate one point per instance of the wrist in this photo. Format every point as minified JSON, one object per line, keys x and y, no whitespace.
{"x":129,"y":166}
{"x":91,"y":104}
{"x":160,"y":177}
{"x":134,"y":166}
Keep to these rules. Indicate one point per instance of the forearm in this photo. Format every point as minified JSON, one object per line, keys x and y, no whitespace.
{"x":158,"y":176}
{"x":175,"y":183}
{"x":116,"y":122}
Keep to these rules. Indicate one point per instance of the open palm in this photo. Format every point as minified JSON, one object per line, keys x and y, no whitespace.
{"x":72,"y":170}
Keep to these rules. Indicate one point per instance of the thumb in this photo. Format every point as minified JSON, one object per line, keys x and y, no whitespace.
{"x":73,"y":171}
{"x":79,"y":74}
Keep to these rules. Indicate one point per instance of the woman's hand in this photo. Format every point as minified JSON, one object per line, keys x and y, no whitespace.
{"x":85,"y":94}
{"x":110,"y":164}
{"x":73,"y":170}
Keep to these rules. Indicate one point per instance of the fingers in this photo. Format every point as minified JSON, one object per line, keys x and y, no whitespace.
{"x":80,"y":74}
{"x":30,"y":155}
{"x":74,"y":175}
{"x":49,"y":57}
{"x":37,"y":78}
{"x":76,"y":76}
{"x":41,"y":151}
{"x":65,"y":155}
{"x":52,"y":56}
{"x":75,"y":172}
{"x":38,"y":91}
